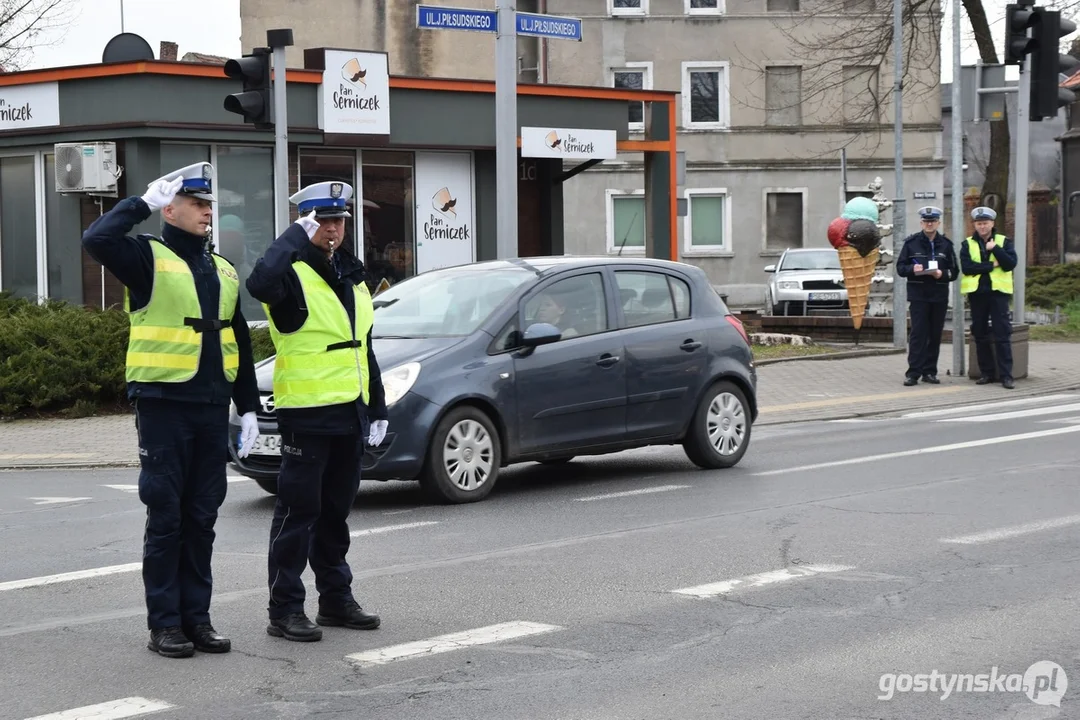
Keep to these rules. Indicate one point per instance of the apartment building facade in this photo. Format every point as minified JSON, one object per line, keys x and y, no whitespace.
{"x":763,"y":117}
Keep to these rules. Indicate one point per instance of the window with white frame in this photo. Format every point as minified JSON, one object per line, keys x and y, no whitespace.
{"x":704,"y":7}
{"x":634,"y":76}
{"x":705,"y":95}
{"x":626,"y":221}
{"x":628,"y":7}
{"x":785,"y":218}
{"x":707,"y":227}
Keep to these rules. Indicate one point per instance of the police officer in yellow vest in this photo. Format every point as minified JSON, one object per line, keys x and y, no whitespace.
{"x":329,"y":398}
{"x":988,"y":259}
{"x":189,"y":353}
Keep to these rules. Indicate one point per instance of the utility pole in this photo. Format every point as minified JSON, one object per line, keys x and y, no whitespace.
{"x":957,"y":162}
{"x":506,"y":132}
{"x":899,"y":206}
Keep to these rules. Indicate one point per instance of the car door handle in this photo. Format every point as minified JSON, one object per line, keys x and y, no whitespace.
{"x":607,"y":360}
{"x":690,"y":345}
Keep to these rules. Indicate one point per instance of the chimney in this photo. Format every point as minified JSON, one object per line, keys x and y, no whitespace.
{"x":168,"y":51}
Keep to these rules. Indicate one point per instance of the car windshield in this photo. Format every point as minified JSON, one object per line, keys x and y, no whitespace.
{"x":815,"y":260}
{"x":451,"y":302}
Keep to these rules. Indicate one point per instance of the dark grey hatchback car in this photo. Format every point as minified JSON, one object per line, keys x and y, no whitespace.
{"x":544,"y":359}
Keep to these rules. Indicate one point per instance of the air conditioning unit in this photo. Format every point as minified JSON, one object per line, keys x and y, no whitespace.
{"x":86,"y":167}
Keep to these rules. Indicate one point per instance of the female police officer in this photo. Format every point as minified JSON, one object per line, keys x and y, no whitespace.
{"x":327,"y":391}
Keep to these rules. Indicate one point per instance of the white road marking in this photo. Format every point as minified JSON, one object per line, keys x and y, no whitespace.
{"x":628,"y":493}
{"x":112,"y":710}
{"x":123,"y":488}
{"x":926,"y":450}
{"x":453,"y":641}
{"x":1030,"y":412}
{"x":989,"y":406}
{"x":391,"y":528}
{"x":1068,"y":421}
{"x":56,"y":500}
{"x":1013,"y":531}
{"x":759,"y":580}
{"x":65,"y":577}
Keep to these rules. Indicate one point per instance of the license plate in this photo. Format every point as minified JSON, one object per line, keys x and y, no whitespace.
{"x":825,"y":296}
{"x":267,"y":445}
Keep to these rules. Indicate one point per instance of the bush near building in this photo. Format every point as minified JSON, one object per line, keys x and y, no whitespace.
{"x":1047,"y":286}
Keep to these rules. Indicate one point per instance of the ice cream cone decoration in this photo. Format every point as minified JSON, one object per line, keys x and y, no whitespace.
{"x":856,"y":237}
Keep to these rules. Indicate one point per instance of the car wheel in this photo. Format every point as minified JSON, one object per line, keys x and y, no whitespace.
{"x":463,"y":457}
{"x":269,"y":484}
{"x":720,"y":430}
{"x":557,"y":461}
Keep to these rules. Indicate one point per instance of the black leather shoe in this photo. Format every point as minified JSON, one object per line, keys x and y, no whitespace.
{"x":1008,"y":384}
{"x":170,"y":642}
{"x":351,"y":615}
{"x":908,"y":382}
{"x":295,"y":627}
{"x":206,"y":639}
{"x":932,"y":379}
{"x":983,"y":381}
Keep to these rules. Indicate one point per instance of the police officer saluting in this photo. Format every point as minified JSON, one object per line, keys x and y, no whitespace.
{"x":988,"y":259}
{"x":328,"y":393}
{"x":189,"y":353}
{"x":928,"y":262}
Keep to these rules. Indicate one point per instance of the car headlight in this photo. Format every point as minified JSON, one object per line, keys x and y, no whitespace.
{"x":789,"y":285}
{"x":399,"y":380}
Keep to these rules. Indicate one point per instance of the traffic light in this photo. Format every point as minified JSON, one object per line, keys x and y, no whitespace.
{"x":1048,"y":64}
{"x":1018,"y":18}
{"x":254,"y":102}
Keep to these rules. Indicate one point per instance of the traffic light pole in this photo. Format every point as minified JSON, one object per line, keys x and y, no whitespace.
{"x":1023,"y":133}
{"x":278,"y":40}
{"x":899,"y":209}
{"x":957,"y":168}
{"x":506,"y":132}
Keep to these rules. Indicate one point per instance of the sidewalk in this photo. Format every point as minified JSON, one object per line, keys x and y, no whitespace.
{"x":792,"y":391}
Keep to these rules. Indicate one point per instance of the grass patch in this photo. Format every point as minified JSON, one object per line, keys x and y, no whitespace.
{"x":1068,"y":331}
{"x":775,"y":352}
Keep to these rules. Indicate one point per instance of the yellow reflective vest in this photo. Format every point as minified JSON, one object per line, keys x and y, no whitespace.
{"x":325,"y":361}
{"x":166,"y":337}
{"x":1000,"y":280}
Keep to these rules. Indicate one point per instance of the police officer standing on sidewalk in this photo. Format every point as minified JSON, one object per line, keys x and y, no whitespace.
{"x":328,"y":396}
{"x":988,"y":259}
{"x":189,"y":353}
{"x":928,"y":262}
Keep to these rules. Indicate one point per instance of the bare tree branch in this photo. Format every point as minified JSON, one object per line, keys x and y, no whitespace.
{"x":23,"y":24}
{"x":847,"y":62}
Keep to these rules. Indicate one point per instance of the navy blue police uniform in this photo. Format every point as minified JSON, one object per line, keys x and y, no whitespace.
{"x":990,"y":320}
{"x":322,"y":446}
{"x":928,"y":297}
{"x":182,"y":426}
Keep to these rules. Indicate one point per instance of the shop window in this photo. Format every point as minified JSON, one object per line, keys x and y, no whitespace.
{"x":319,"y":165}
{"x":389,"y":215}
{"x":244,"y":227}
{"x":18,"y":227}
{"x":61,"y":228}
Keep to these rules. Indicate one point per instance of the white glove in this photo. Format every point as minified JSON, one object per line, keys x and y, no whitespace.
{"x":309,"y":223}
{"x":249,"y":433}
{"x":378,"y":432}
{"x":161,"y":192}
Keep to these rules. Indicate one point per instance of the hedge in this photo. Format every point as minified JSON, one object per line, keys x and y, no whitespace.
{"x":1047,"y":286}
{"x":62,"y":358}
{"x":56,"y":356}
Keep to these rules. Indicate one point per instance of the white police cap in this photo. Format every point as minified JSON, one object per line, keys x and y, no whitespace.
{"x":327,"y":199}
{"x":929,"y":212}
{"x":198,"y":181}
{"x":983,"y":213}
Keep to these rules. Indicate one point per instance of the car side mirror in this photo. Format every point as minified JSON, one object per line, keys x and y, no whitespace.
{"x":539,"y":334}
{"x":770,"y":268}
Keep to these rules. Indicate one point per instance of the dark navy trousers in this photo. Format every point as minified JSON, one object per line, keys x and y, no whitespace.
{"x":990,"y":322}
{"x":317,"y":485}
{"x":924,"y":343}
{"x":183,"y":450}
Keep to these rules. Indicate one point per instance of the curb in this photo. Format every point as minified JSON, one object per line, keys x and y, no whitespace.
{"x":833,"y":356}
{"x":850,"y":414}
{"x":95,"y":465}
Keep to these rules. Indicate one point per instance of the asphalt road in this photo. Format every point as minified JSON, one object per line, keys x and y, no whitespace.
{"x":843,"y":570}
